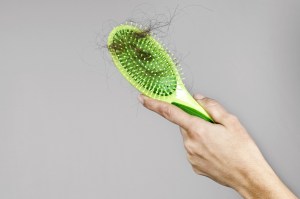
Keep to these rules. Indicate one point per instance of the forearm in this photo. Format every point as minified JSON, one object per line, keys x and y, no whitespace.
{"x":263,"y":184}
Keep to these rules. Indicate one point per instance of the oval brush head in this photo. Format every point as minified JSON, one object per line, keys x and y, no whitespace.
{"x":148,"y":66}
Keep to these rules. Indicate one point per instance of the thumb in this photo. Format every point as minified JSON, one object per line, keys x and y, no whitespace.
{"x":214,"y":109}
{"x":170,"y":112}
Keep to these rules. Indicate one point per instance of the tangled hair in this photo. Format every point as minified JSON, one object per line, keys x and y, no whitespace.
{"x":149,"y":23}
{"x":159,"y":26}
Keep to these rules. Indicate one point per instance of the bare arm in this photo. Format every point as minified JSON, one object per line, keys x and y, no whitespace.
{"x":224,"y":151}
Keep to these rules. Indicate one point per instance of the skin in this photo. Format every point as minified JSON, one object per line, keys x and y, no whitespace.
{"x":224,"y":151}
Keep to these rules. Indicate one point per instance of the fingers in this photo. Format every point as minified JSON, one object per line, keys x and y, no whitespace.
{"x":170,"y":112}
{"x":215,"y":110}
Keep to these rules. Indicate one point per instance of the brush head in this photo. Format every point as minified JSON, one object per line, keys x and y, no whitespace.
{"x":148,"y":66}
{"x":143,"y":61}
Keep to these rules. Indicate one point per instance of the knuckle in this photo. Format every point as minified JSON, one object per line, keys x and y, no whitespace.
{"x":197,"y":171}
{"x":189,"y":147}
{"x":195,"y":165}
{"x":232,"y":119}
{"x":166,"y":111}
{"x":210,"y":102}
{"x":191,"y":159}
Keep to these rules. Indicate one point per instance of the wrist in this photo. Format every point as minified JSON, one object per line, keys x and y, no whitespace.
{"x":254,"y":184}
{"x":262,"y":183}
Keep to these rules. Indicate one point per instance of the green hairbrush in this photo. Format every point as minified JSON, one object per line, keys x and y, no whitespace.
{"x":150,"y":68}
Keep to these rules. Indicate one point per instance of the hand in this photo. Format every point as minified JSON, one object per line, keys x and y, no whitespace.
{"x":223,"y":151}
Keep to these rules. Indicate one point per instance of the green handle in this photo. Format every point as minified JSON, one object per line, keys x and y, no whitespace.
{"x":192,"y":111}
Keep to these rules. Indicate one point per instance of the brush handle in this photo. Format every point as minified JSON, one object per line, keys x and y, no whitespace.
{"x":192,"y":111}
{"x":187,"y":103}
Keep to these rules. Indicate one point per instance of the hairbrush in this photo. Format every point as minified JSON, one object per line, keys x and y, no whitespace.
{"x":150,"y":67}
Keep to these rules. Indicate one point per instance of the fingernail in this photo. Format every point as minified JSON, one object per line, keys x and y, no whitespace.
{"x":198,"y":96}
{"x":141,"y":99}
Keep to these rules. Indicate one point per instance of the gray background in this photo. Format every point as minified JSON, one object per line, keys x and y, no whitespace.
{"x":71,"y":127}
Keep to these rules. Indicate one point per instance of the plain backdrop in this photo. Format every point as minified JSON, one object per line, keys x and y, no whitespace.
{"x":71,"y":126}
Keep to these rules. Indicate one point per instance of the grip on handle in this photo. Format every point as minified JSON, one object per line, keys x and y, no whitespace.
{"x":192,"y":111}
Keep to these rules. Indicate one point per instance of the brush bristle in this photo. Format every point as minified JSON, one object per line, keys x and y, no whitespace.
{"x":144,"y":62}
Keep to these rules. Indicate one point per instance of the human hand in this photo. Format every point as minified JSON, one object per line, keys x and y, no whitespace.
{"x":223,"y":151}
